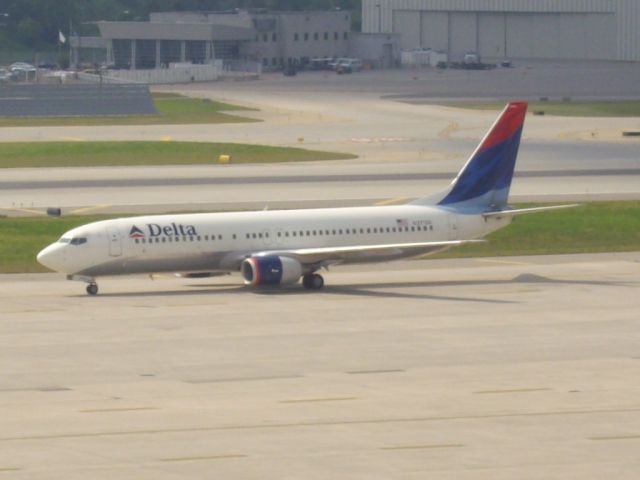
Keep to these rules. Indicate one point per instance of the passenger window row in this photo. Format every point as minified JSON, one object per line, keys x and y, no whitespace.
{"x":198,"y":238}
{"x":292,"y":233}
{"x":340,"y":231}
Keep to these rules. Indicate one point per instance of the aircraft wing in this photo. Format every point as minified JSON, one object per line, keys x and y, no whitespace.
{"x":358,"y":253}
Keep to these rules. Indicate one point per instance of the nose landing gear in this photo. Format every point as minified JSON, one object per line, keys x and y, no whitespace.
{"x":92,"y":288}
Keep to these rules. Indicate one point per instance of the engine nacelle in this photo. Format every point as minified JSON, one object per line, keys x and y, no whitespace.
{"x":270,"y":270}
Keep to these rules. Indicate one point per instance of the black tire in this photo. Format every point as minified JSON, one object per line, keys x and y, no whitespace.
{"x":92,"y":289}
{"x":317,"y":282}
{"x":307,"y":281}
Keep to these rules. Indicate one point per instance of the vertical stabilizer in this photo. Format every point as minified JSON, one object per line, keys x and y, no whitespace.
{"x":485,"y":179}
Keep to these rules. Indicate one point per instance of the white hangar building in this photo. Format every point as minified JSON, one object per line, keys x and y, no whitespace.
{"x":528,"y":29}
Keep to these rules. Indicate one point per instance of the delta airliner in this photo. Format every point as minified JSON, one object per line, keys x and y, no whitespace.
{"x":282,"y":247}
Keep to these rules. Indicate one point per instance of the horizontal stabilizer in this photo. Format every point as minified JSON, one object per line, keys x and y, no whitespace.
{"x":521,"y":211}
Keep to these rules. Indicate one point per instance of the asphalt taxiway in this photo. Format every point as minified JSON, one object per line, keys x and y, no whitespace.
{"x":495,"y":368}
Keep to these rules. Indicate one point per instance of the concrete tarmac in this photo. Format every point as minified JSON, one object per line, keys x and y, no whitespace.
{"x":496,"y":368}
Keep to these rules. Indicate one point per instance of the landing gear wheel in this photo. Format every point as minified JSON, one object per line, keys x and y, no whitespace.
{"x":92,"y":289}
{"x":313,"y":281}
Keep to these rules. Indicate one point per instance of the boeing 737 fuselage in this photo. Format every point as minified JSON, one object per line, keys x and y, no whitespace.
{"x":282,"y":247}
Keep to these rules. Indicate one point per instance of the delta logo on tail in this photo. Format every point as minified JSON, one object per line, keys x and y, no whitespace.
{"x":135,"y":232}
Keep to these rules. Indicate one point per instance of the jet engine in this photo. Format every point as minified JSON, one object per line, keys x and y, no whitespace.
{"x":270,"y":270}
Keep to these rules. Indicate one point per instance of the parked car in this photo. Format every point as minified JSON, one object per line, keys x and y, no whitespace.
{"x":333,"y":64}
{"x":48,"y":64}
{"x":321,"y":63}
{"x":23,"y":66}
{"x":349,"y":65}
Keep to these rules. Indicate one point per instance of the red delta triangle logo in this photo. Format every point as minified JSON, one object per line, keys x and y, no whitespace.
{"x":135,"y":232}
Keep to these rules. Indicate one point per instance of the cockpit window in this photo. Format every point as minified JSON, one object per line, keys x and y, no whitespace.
{"x":78,"y":240}
{"x":64,"y":240}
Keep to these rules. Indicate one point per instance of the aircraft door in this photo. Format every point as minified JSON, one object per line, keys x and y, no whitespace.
{"x":115,"y":241}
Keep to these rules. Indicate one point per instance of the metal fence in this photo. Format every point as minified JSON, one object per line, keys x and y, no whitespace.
{"x":33,"y":100}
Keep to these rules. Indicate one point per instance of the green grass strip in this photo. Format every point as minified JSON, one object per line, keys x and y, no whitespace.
{"x":590,"y":228}
{"x":88,"y":154}
{"x":173,"y":109}
{"x":594,"y":227}
{"x":567,"y":109}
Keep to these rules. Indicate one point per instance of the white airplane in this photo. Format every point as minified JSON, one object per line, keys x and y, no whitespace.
{"x":281,"y":247}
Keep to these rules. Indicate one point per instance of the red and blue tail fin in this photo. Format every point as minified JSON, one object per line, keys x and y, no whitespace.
{"x":485,"y":179}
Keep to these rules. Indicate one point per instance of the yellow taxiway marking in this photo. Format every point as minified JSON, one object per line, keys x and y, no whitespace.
{"x":25,"y":210}
{"x":166,"y":139}
{"x":391,"y":201}
{"x":109,"y":410}
{"x":504,"y":262}
{"x":78,"y":211}
{"x":204,"y":457}
{"x":619,"y":437}
{"x":514,"y":390}
{"x":420,"y":447}
{"x":446,"y":132}
{"x":310,"y":400}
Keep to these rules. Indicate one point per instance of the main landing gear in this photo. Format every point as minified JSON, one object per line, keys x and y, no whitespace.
{"x":312,"y":281}
{"x":92,"y":288}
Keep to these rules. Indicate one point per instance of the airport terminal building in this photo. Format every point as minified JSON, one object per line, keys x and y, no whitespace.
{"x":498,"y":29}
{"x":274,"y":39}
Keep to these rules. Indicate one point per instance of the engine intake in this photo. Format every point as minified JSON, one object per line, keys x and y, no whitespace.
{"x":270,"y":270}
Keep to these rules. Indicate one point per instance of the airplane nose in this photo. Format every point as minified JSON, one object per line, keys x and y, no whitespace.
{"x":51,"y":257}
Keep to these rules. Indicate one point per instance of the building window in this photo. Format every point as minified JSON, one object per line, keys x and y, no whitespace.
{"x":274,"y":37}
{"x":296,"y":37}
{"x":265,"y":62}
{"x":346,"y":35}
{"x":306,"y":36}
{"x":316,"y":36}
{"x":265,"y":37}
{"x":326,"y":35}
{"x":335,"y":35}
{"x":274,"y":61}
